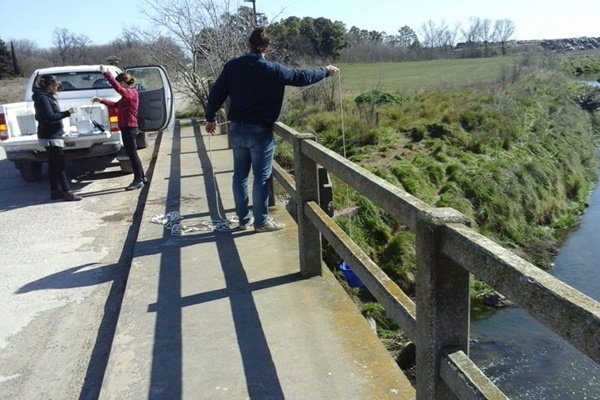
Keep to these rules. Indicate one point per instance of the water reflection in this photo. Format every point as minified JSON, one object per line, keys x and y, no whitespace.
{"x":593,"y":83}
{"x":524,"y":358}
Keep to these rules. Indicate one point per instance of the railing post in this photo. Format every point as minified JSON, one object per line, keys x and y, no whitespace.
{"x":307,"y":186}
{"x":443,"y":302}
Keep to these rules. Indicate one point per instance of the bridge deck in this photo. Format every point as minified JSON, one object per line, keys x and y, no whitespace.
{"x":226,"y":314}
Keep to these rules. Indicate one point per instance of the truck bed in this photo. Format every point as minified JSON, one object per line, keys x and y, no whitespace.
{"x":80,"y":134}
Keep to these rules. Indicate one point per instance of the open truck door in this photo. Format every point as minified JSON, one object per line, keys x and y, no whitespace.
{"x":157,"y":104}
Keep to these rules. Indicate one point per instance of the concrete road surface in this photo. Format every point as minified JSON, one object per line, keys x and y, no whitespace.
{"x":63,"y":267}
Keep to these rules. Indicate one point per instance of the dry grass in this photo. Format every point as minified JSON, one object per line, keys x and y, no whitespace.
{"x":12,"y":90}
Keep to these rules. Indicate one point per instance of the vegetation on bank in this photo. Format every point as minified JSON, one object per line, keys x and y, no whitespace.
{"x":585,"y":64}
{"x":517,"y":155}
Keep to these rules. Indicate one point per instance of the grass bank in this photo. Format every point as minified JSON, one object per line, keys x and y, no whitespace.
{"x":515,"y":152}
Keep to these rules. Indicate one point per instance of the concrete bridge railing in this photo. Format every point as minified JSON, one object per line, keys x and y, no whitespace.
{"x":448,"y":251}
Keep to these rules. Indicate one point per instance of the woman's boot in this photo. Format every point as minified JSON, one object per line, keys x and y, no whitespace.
{"x":70,"y":196}
{"x":56,"y":194}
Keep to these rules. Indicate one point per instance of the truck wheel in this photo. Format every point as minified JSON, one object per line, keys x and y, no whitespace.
{"x":141,"y":140}
{"x":126,"y":166}
{"x":30,"y":171}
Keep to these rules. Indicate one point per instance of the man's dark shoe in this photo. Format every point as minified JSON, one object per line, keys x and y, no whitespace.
{"x":56,"y":194}
{"x":135,"y":185}
{"x":70,"y":196}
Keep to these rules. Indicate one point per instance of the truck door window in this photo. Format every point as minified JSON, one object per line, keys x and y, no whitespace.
{"x":147,"y":80}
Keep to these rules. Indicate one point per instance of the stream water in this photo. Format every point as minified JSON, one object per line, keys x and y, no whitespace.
{"x":524,"y":358}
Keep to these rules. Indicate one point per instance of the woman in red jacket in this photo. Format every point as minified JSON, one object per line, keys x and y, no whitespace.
{"x":127,"y":111}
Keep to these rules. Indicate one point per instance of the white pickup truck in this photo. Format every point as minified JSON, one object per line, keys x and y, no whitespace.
{"x":92,"y":131}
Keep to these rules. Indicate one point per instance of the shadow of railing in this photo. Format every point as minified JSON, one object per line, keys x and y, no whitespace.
{"x":166,"y":372}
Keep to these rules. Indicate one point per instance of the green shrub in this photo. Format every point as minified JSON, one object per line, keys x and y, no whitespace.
{"x":378,"y":98}
{"x":191,"y":112}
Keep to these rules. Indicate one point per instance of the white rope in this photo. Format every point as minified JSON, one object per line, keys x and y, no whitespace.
{"x":339,"y":73}
{"x":171,"y":220}
{"x":342,"y":112}
{"x":224,"y":224}
{"x":343,"y":127}
{"x":217,"y":194}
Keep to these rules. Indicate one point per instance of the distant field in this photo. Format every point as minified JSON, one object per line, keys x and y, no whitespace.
{"x":412,"y":76}
{"x":358,"y":78}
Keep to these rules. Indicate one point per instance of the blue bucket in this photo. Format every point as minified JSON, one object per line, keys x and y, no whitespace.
{"x":351,"y":278}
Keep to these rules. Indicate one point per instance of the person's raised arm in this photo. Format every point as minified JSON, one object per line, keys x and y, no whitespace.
{"x":116,"y":85}
{"x":331,"y":70}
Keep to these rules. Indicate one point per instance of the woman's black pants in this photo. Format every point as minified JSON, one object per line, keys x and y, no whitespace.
{"x":56,"y":169}
{"x":129,"y":141}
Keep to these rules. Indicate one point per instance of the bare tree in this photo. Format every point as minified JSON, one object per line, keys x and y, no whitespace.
{"x":71,"y":48}
{"x":440,"y":39}
{"x":447,"y":39}
{"x":503,"y":31}
{"x":63,"y":43}
{"x":486,"y":36}
{"x":82,"y":46}
{"x":194,"y":38}
{"x":471,"y":35}
{"x":430,"y":34}
{"x":126,"y":50}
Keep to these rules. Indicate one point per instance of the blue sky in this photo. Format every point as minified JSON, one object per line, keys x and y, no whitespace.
{"x":104,"y":21}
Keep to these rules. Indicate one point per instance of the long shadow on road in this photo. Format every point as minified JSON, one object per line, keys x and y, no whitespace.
{"x":166,"y":374}
{"x":106,"y":332}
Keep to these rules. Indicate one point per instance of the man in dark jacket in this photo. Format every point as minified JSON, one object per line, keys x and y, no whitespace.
{"x":256,"y":88}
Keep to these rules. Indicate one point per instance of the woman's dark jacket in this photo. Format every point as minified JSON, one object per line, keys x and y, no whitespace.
{"x":48,"y":115}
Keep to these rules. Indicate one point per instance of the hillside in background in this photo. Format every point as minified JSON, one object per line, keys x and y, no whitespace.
{"x":582,"y":43}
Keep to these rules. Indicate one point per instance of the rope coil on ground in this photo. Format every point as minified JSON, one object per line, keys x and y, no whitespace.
{"x":170,"y":221}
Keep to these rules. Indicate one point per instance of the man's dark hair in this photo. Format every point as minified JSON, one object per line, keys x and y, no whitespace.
{"x":259,"y":41}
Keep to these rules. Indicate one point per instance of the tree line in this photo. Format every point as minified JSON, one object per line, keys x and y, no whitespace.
{"x":480,"y":38}
{"x":194,"y":38}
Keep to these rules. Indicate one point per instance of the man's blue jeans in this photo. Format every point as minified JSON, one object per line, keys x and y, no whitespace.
{"x":253,"y":146}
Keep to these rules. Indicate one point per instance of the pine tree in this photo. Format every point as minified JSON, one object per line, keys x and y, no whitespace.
{"x":6,"y":70}
{"x":15,"y":64}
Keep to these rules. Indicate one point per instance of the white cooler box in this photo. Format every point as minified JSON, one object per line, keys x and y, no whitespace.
{"x":84,"y":116}
{"x":26,"y":121}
